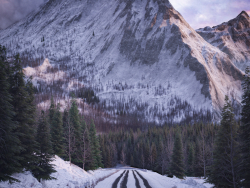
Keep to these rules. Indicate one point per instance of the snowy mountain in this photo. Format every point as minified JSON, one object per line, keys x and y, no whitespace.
{"x":233,"y":38}
{"x":139,"y":56}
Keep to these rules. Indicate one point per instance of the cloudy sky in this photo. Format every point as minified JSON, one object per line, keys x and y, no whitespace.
{"x":201,"y":13}
{"x":198,"y":13}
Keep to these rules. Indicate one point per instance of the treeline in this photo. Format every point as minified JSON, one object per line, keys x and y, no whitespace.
{"x":153,"y":149}
{"x":221,"y":153}
{"x":29,"y":141}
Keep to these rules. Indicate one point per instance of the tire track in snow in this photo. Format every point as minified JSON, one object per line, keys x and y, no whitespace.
{"x":137,"y":184}
{"x":114,"y":185}
{"x":125,"y":180}
{"x":144,"y":180}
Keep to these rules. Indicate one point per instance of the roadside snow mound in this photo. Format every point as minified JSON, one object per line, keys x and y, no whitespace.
{"x":66,"y":176}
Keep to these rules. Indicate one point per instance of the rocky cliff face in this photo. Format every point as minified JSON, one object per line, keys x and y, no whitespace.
{"x":233,"y":38}
{"x":141,"y":53}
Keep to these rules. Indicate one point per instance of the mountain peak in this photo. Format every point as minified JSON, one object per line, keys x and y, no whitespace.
{"x":129,"y":50}
{"x":243,"y":13}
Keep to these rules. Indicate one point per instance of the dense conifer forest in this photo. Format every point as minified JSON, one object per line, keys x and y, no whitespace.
{"x":30,"y":137}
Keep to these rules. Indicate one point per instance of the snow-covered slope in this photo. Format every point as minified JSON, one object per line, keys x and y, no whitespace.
{"x":66,"y":176}
{"x":130,"y":50}
{"x":233,"y":38}
{"x":74,"y":177}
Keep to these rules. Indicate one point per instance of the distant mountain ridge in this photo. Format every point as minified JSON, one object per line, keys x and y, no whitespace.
{"x":141,"y":53}
{"x":232,"y":37}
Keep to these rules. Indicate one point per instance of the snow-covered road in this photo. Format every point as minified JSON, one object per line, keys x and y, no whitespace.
{"x":138,"y":178}
{"x":119,"y":177}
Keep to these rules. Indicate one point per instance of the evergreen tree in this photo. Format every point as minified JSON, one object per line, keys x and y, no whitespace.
{"x":198,"y":170}
{"x":57,"y":132}
{"x":177,"y":164}
{"x":85,"y":152}
{"x":68,"y":136}
{"x":190,"y":167}
{"x":245,"y":131}
{"x":9,"y":142}
{"x":96,"y":160}
{"x":74,"y":123}
{"x":22,"y":101}
{"x":43,"y":168}
{"x":225,"y":169}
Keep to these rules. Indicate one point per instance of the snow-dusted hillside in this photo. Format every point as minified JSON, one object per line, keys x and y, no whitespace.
{"x":140,"y":56}
{"x":74,"y":177}
{"x":232,"y":37}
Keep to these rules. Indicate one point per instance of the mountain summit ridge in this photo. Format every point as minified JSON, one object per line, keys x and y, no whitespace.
{"x":233,"y":38}
{"x":145,"y":47}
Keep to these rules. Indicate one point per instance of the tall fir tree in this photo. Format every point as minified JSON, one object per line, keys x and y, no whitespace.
{"x":43,"y":168}
{"x":177,"y":164}
{"x":57,"y":132}
{"x":96,"y":160}
{"x":75,"y":126}
{"x":190,"y":162}
{"x":245,"y":131}
{"x":198,"y":170}
{"x":22,"y":101}
{"x":225,"y":169}
{"x":9,"y":142}
{"x":85,"y":152}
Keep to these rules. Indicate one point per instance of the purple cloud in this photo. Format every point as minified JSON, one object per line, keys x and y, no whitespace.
{"x":14,"y":10}
{"x":202,"y":13}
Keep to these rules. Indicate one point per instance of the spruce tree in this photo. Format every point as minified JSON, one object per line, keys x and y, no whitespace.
{"x":190,"y":162}
{"x":22,"y":101}
{"x":225,"y":169}
{"x":44,"y":168}
{"x":177,"y":164}
{"x":198,"y":170}
{"x":85,"y":152}
{"x":9,"y":141}
{"x":57,"y":132}
{"x":74,"y":123}
{"x":245,"y":131}
{"x":65,"y":120}
{"x":96,"y":160}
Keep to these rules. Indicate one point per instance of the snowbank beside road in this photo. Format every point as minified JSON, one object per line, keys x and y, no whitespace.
{"x":74,"y":177}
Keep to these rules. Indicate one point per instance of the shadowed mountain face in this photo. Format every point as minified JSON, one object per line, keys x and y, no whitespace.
{"x":233,"y":38}
{"x":145,"y":47}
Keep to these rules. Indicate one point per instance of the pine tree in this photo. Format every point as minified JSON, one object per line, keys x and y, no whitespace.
{"x":198,"y":170}
{"x":74,"y":123}
{"x":9,"y":142}
{"x":95,"y":147}
{"x":245,"y":131}
{"x":22,"y":95}
{"x":177,"y":164}
{"x":43,"y":168}
{"x":57,"y":132}
{"x":190,"y":167}
{"x":85,"y":152}
{"x":225,"y":169}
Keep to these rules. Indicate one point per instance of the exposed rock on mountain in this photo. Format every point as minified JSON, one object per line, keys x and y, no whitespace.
{"x":233,"y":38}
{"x":141,"y":53}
